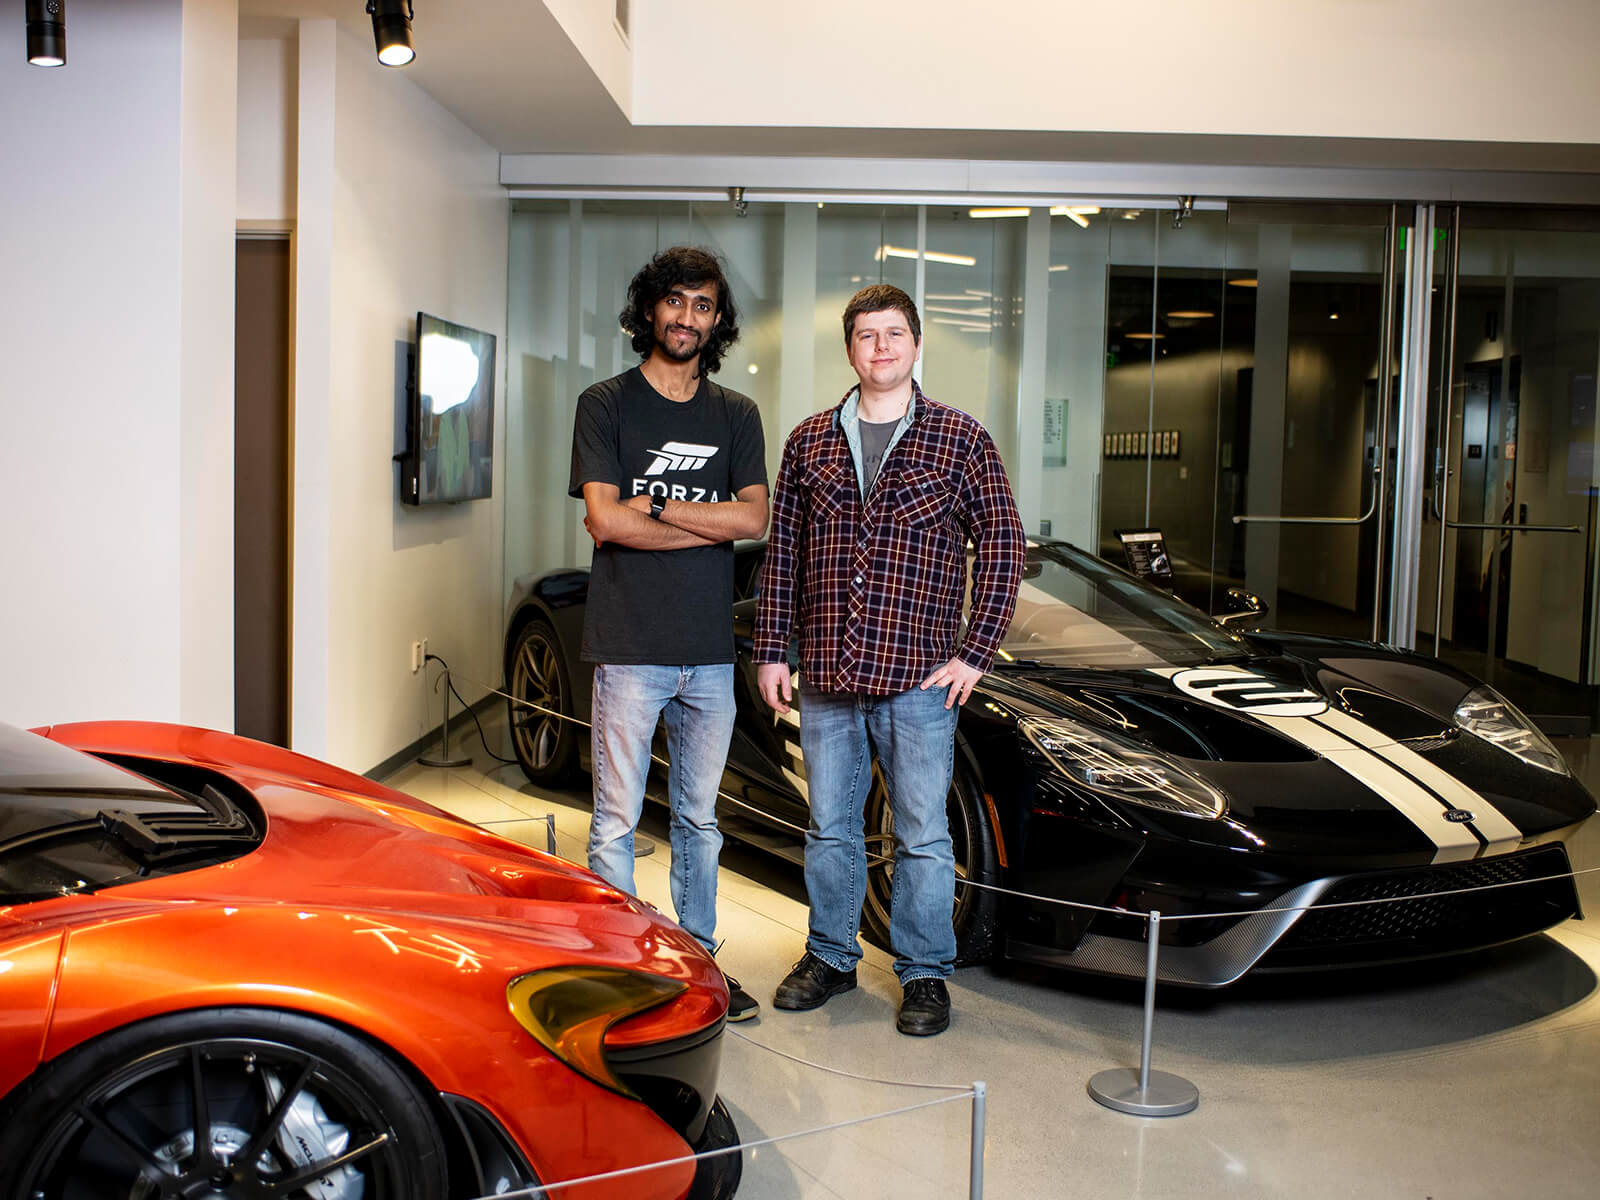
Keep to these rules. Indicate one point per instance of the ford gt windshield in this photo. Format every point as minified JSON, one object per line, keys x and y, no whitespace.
{"x":1074,"y":610}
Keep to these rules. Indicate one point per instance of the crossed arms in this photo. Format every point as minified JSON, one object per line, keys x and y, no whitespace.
{"x":683,"y":523}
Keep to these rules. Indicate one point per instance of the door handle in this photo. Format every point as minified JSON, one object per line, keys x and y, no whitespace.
{"x":1377,"y":474}
{"x":1513,"y":528}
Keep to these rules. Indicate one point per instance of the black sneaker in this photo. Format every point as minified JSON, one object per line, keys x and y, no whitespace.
{"x":741,"y":1004}
{"x":811,"y":983}
{"x":925,"y":1010}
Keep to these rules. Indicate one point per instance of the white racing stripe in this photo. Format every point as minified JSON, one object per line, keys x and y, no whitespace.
{"x":1488,"y":820}
{"x":1454,"y":842}
{"x":1416,"y":788}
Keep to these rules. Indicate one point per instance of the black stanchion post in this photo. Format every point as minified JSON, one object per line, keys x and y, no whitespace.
{"x":1146,"y":1093}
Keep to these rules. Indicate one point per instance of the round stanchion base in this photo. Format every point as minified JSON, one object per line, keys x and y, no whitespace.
{"x":643,"y":847}
{"x":1167,"y":1096}
{"x":428,"y":760}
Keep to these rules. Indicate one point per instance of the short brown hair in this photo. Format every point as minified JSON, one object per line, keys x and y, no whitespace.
{"x":881,"y":297}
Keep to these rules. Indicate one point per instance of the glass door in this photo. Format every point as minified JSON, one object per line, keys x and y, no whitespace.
{"x":1507,"y":571}
{"x":1308,"y":413}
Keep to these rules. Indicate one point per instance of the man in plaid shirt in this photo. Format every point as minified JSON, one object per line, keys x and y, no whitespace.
{"x":877,"y":499}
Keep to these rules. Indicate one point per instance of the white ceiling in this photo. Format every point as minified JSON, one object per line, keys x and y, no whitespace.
{"x":508,"y":71}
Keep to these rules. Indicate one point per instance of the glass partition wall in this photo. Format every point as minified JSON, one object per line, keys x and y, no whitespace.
{"x":1507,"y":571}
{"x":1234,"y":377}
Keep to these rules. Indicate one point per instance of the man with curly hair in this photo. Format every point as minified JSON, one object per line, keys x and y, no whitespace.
{"x":671,"y":468}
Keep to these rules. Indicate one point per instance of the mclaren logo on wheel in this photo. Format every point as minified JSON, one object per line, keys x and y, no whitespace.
{"x":1245,"y":692}
{"x":679,"y":456}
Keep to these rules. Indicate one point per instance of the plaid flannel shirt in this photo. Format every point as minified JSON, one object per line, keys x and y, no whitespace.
{"x":877,"y":585}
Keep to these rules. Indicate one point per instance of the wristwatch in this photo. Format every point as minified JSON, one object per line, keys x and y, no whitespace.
{"x":658,"y":504}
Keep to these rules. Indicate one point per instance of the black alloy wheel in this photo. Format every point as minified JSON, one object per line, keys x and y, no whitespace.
{"x":976,"y":914}
{"x":289,"y":1107}
{"x":546,"y":744}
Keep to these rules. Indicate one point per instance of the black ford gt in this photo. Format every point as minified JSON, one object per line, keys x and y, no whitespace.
{"x":1129,"y":752}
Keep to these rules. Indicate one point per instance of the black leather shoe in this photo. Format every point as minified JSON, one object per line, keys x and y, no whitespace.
{"x":741,"y":1004}
{"x":811,"y":983}
{"x":925,"y":1010}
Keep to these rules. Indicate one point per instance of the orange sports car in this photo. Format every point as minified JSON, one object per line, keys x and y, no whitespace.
{"x":227,"y":970}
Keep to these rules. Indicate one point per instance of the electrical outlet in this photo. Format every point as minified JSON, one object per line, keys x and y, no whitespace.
{"x":417,"y":651}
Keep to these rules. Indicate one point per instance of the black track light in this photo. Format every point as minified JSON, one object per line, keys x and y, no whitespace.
{"x":47,"y":33}
{"x":391,"y":29}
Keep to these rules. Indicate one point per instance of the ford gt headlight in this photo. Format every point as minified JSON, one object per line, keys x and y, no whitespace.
{"x":1489,"y":715}
{"x":569,"y":1009}
{"x":1122,"y":770}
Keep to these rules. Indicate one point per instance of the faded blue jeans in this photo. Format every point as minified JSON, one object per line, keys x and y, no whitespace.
{"x":913,"y":735}
{"x":697,"y":703}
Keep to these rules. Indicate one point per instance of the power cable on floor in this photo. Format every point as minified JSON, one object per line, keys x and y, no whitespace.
{"x":450,"y":683}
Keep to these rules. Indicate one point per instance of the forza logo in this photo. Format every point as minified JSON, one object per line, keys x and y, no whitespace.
{"x":1244,"y":692}
{"x":679,"y":456}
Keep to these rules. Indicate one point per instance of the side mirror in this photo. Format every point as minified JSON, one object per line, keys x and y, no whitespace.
{"x":1240,"y":605}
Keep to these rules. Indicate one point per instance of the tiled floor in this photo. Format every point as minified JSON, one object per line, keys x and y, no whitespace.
{"x":1475,"y":1078}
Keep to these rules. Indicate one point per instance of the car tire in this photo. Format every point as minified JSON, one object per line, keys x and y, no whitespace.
{"x":116,"y":1116}
{"x":717,"y":1176}
{"x":977,"y":910}
{"x":546,"y":746}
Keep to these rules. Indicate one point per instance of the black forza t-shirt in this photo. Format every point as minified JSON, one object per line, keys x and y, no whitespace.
{"x":668,"y":607}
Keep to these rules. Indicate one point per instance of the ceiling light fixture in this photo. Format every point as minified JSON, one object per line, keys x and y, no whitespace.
{"x":1191,"y":314}
{"x":982,"y":213}
{"x":1145,"y":337}
{"x":955,"y":260}
{"x":958,"y":312}
{"x":47,"y":33}
{"x":391,"y":30}
{"x":1251,"y":282}
{"x":1079,"y":214}
{"x":1054,"y":267}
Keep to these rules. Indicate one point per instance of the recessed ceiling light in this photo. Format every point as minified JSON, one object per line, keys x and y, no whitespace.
{"x":1059,"y":267}
{"x":1144,"y":337}
{"x":1078,"y":214}
{"x":996,"y":212}
{"x":1190,"y":314}
{"x":753,"y":369}
{"x":938,"y":256}
{"x":1242,"y":282}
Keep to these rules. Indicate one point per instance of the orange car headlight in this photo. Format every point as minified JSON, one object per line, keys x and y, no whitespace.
{"x":569,"y":1009}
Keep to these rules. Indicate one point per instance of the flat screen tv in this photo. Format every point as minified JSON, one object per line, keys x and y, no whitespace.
{"x":450,"y":418}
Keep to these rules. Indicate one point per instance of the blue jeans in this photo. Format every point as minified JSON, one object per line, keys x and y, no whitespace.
{"x":698,"y":705}
{"x":913,"y":735}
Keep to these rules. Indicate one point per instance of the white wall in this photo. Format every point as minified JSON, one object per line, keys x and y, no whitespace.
{"x":418,"y":221}
{"x":1447,"y":69}
{"x":267,"y":116}
{"x":108,"y":387}
{"x":592,"y":26}
{"x":207,"y":191}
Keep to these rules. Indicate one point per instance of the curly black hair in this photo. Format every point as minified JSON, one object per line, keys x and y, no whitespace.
{"x":680,"y":266}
